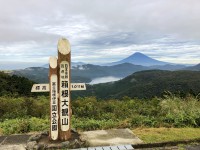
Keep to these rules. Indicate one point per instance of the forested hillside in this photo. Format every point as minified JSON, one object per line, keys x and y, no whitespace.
{"x":94,"y":71}
{"x":37,"y":74}
{"x":15,"y":85}
{"x":144,"y":84}
{"x":147,"y":84}
{"x":40,"y":75}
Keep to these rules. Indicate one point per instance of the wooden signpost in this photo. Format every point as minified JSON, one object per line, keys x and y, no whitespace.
{"x":59,"y":87}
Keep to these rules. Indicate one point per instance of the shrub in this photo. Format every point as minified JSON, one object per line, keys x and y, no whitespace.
{"x":90,"y":114}
{"x":39,"y":124}
{"x":181,"y":112}
{"x":24,"y":125}
{"x":91,"y":124}
{"x":15,"y":126}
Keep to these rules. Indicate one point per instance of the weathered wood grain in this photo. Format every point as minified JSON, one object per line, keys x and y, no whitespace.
{"x":53,"y":78}
{"x":64,"y":55}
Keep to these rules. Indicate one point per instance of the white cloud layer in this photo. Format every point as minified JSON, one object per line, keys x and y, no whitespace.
{"x":100,"y":31}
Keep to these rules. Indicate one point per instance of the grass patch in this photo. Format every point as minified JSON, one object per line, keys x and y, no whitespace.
{"x":153,"y":135}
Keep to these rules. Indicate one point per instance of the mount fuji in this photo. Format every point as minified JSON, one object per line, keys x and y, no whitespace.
{"x":139,"y":59}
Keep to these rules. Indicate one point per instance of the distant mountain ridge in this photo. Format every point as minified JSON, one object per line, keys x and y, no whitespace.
{"x":139,"y":59}
{"x":193,"y":68}
{"x":74,"y":64}
{"x":82,"y":73}
{"x":95,"y":71}
{"x":171,"y":67}
{"x":147,"y":84}
{"x":86,"y":73}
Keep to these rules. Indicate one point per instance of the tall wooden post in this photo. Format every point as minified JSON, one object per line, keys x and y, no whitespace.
{"x":53,"y":87}
{"x":59,"y":88}
{"x":64,"y":85}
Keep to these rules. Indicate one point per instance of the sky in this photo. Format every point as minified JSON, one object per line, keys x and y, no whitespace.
{"x":100,"y":31}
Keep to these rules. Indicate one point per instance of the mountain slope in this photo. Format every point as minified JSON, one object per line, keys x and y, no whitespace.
{"x":94,"y":71}
{"x":147,"y":84}
{"x":168,"y":67}
{"x":37,"y":74}
{"x":139,"y":59}
{"x":193,"y":68}
{"x":73,"y":64}
{"x":15,"y":85}
{"x":82,"y":73}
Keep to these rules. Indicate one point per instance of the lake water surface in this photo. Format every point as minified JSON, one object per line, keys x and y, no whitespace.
{"x":104,"y":79}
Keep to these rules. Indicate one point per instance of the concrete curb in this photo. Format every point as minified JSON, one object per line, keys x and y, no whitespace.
{"x":164,"y":144}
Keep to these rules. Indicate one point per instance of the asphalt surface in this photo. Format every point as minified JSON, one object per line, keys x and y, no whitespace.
{"x":13,"y":142}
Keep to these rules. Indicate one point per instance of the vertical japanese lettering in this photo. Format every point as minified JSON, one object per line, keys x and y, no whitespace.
{"x":64,"y":95}
{"x":54,"y":106}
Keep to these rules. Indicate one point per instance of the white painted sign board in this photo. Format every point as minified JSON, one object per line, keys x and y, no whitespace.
{"x":40,"y":88}
{"x":64,"y":95}
{"x":74,"y":87}
{"x":78,"y":86}
{"x":54,"y":106}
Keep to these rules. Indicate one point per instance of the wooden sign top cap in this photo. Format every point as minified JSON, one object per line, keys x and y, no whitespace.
{"x":64,"y":46}
{"x":53,"y":62}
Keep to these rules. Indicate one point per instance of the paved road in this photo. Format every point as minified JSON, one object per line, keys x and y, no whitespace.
{"x":13,"y":142}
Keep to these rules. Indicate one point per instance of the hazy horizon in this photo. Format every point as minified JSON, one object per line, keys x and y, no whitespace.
{"x":23,"y":65}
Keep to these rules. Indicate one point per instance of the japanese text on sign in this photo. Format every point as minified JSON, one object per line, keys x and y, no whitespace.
{"x":40,"y":88}
{"x":64,"y":95}
{"x":54,"y":107}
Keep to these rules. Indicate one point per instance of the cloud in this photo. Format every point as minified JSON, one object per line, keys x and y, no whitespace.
{"x":100,"y":30}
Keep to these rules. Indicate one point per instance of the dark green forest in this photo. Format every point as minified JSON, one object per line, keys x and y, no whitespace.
{"x":147,"y":84}
{"x":16,"y":86}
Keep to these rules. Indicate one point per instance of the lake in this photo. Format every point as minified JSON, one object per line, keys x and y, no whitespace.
{"x":104,"y":79}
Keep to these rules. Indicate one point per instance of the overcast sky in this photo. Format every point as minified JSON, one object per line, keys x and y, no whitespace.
{"x":99,"y":31}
